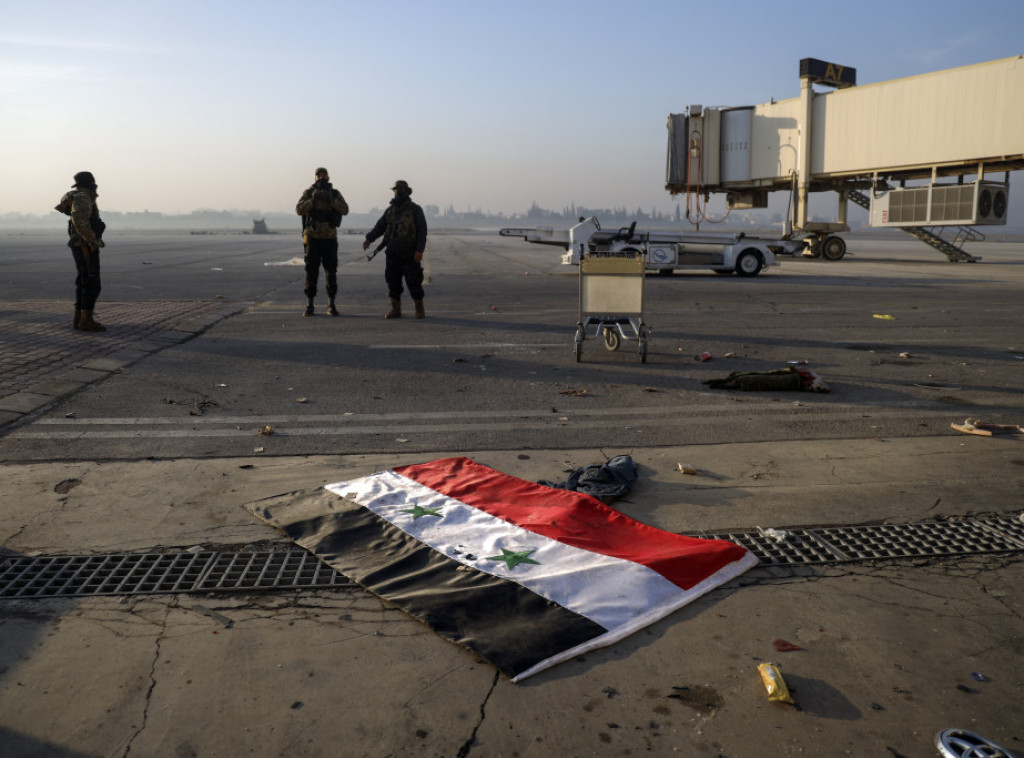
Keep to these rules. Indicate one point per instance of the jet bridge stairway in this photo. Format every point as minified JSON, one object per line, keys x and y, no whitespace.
{"x":953,"y":250}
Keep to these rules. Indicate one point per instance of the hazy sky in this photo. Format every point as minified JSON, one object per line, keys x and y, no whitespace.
{"x":484,"y":105}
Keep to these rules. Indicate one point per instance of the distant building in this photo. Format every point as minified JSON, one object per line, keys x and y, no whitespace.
{"x":260,"y":227}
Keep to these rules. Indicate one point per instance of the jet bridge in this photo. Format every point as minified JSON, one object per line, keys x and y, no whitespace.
{"x":950,"y":133}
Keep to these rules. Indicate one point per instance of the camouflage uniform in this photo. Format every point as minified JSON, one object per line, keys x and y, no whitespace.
{"x":85,"y":233}
{"x":404,"y":228}
{"x":321,"y":208}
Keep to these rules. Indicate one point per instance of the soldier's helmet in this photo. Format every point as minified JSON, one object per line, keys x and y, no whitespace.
{"x":85,"y":179}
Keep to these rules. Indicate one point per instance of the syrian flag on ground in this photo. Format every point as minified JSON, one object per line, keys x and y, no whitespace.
{"x":524,"y":575}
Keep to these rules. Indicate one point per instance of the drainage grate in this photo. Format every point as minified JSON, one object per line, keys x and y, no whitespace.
{"x":172,"y":573}
{"x":843,"y":544}
{"x":163,"y":573}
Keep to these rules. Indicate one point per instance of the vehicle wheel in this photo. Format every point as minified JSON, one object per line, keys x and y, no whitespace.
{"x":723,"y":271}
{"x":577,"y":351}
{"x":611,"y":338}
{"x":749,"y":263}
{"x":833,"y":248}
{"x":643,"y":351}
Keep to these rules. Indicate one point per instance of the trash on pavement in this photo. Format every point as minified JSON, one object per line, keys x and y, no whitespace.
{"x":779,"y":535}
{"x":221,"y":619}
{"x":703,"y":357}
{"x":266,"y":431}
{"x":885,"y":317}
{"x":959,"y":743}
{"x":685,"y":469}
{"x":785,"y":647}
{"x":973,"y":426}
{"x":781,"y":380}
{"x":606,"y":481}
{"x":778,"y":692}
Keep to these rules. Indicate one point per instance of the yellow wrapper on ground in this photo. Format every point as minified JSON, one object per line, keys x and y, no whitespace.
{"x":774,"y":683}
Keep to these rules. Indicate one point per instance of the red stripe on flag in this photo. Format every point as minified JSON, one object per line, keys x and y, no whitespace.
{"x":575,"y":519}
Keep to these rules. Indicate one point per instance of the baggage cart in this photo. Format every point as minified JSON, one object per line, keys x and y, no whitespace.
{"x":612,"y":301}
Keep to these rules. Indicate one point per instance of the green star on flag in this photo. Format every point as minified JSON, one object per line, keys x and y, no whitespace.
{"x":419,"y":510}
{"x":513,"y":558}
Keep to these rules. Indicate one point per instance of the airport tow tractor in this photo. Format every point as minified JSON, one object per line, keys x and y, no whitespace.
{"x":663,"y":251}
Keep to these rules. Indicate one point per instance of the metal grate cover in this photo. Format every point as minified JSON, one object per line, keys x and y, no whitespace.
{"x":163,"y":573}
{"x":173,"y":573}
{"x":844,"y":544}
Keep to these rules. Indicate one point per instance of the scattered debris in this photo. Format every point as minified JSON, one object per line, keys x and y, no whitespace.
{"x":729,"y":355}
{"x":702,"y":357}
{"x":401,"y":439}
{"x":954,"y":743}
{"x":69,"y":414}
{"x":605,"y":481}
{"x":301,"y":400}
{"x":257,"y":449}
{"x":978,"y":676}
{"x":685,"y":469}
{"x":779,"y":535}
{"x":781,"y":380}
{"x":785,"y":647}
{"x":266,"y":431}
{"x":778,"y":692}
{"x":884,"y":317}
{"x":797,"y":363}
{"x":973,"y":426}
{"x":905,"y":355}
{"x":221,"y":619}
{"x":574,"y":393}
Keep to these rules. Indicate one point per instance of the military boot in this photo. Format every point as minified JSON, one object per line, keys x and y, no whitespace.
{"x":87,"y":324}
{"x":331,"y":310}
{"x":396,"y":309}
{"x":420,"y":313}
{"x":309,"y":308}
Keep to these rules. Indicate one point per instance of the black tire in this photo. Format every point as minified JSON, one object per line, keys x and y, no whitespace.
{"x":833,"y":248}
{"x":749,"y":263}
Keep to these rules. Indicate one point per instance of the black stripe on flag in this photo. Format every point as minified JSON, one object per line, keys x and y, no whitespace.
{"x":508,"y":625}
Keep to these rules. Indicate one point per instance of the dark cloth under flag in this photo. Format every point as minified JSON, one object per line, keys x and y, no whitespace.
{"x":524,"y":575}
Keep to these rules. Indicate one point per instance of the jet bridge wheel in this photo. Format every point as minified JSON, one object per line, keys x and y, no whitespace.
{"x":833,"y":248}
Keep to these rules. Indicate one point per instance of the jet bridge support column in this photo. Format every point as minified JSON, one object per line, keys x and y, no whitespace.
{"x":803,"y":166}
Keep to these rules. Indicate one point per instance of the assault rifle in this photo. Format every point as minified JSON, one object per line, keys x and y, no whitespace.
{"x":376,"y":250}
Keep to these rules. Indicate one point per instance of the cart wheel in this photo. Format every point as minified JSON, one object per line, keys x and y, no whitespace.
{"x":611,"y":338}
{"x":578,"y":350}
{"x":643,"y":351}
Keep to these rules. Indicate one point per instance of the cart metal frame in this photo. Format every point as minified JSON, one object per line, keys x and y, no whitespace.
{"x":612,"y":299}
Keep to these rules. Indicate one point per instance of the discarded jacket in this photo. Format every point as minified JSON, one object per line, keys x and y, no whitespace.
{"x":606,"y":481}
{"x":782,"y":380}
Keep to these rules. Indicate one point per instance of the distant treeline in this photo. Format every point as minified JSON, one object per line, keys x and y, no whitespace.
{"x":242,"y":220}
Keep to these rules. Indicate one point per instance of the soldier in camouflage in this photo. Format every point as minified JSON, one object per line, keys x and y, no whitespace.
{"x":404,"y":228}
{"x":322,"y":208}
{"x":85,"y":232}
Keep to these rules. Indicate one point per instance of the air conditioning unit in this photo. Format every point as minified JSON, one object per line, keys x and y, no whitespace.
{"x":975,"y":204}
{"x":992,"y":202}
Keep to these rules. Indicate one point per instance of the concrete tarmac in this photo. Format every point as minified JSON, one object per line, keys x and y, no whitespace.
{"x":889,"y":649}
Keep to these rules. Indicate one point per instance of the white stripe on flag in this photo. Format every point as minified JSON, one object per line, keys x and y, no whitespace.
{"x":618,"y":594}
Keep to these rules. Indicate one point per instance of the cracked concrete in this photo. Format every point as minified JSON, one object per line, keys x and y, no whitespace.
{"x":887,"y":650}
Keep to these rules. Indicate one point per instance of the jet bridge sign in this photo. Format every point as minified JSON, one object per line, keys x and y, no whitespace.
{"x":832,"y":74}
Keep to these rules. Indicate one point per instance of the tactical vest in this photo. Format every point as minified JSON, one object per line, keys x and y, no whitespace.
{"x":401,"y":228}
{"x":95,"y":223}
